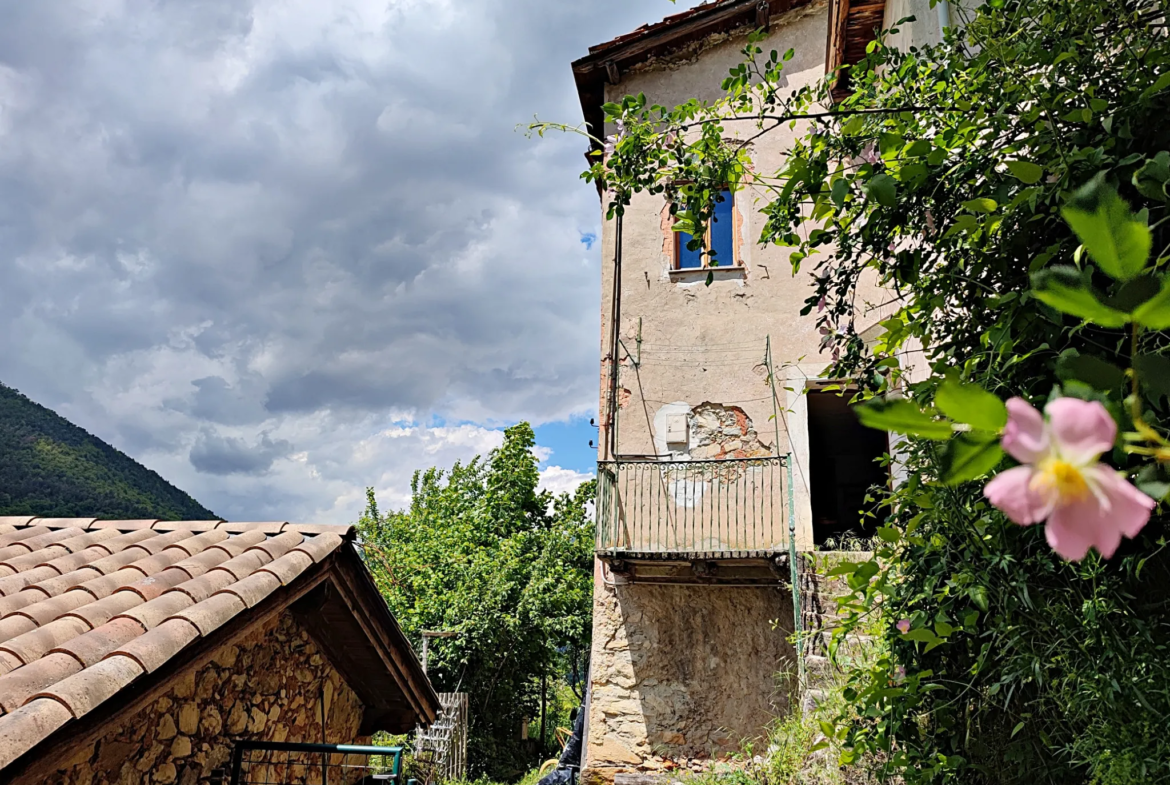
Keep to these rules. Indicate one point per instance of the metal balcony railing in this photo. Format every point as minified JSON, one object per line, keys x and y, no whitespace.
{"x":729,"y":508}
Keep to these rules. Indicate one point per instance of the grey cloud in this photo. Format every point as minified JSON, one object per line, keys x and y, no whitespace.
{"x":214,"y":454}
{"x":236,"y":217}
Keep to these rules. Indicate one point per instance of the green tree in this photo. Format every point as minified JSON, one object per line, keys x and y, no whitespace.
{"x":953,"y":174}
{"x":483,"y":553}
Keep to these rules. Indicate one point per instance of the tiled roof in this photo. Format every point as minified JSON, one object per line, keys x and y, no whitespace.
{"x":88,"y":606}
{"x":607,"y":62}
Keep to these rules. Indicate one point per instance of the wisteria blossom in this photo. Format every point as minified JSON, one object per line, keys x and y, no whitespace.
{"x":1086,"y":503}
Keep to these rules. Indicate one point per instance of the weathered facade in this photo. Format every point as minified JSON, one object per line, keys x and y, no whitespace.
{"x":718,"y":448}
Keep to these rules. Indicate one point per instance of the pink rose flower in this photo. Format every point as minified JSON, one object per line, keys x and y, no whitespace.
{"x":1086,"y":503}
{"x":903,"y":626}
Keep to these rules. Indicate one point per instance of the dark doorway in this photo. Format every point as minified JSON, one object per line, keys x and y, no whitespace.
{"x":843,"y":466}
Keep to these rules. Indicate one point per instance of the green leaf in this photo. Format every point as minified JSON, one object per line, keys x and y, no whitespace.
{"x":1150,"y":180}
{"x":1149,"y":483}
{"x":902,"y":416}
{"x":1026,"y":171}
{"x":840,"y":191}
{"x":921,"y":635}
{"x":919,"y":149}
{"x":1093,"y":371}
{"x":969,"y":456}
{"x":979,"y":597}
{"x":1065,"y":289}
{"x":943,"y":629}
{"x":883,"y":189}
{"x":981,"y":205}
{"x":1133,"y":293}
{"x":971,"y":404}
{"x":889,"y":534}
{"x":1155,"y":312}
{"x":1153,"y":372}
{"x":1113,"y":236}
{"x":1019,"y":727}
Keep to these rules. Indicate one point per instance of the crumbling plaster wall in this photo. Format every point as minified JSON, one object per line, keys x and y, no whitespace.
{"x":267,"y":686}
{"x":683,"y":674}
{"x":687,"y":344}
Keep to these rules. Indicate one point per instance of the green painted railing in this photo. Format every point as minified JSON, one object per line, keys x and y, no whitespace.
{"x":718,"y":507}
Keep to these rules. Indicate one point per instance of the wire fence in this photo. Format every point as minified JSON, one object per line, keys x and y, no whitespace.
{"x":290,"y":763}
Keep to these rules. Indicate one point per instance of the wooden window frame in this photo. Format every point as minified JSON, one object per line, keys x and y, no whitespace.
{"x":737,"y":262}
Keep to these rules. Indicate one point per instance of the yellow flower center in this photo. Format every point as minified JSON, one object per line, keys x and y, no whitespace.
{"x":1061,"y":476}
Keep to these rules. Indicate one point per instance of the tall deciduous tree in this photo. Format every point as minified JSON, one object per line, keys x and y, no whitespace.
{"x":483,"y":553}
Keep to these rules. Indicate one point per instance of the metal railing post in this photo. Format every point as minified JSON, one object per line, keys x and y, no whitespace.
{"x":794,"y":569}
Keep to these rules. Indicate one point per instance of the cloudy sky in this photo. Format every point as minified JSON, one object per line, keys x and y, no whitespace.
{"x":280,"y":250}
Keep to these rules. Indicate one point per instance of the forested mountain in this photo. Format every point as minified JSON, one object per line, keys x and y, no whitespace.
{"x":52,"y":469}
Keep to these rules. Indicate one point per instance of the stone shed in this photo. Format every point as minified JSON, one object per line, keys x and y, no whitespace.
{"x":141,"y":651}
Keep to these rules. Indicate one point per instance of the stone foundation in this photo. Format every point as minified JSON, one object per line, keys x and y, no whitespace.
{"x":681,"y":676}
{"x":266,"y":686}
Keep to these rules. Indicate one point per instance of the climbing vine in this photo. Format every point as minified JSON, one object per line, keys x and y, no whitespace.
{"x":1008,"y":188}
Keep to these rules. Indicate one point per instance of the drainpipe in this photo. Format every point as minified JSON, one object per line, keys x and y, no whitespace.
{"x":944,"y":18}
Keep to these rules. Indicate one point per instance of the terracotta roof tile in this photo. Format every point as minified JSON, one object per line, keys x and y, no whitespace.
{"x":17,"y":686}
{"x":46,"y":611}
{"x":234,"y":546}
{"x":279,"y":546}
{"x":155,"y":585}
{"x":92,"y":646}
{"x":8,"y":663}
{"x":160,"y":644}
{"x":65,"y":523}
{"x":199,"y":589}
{"x":34,"y":643}
{"x":200,"y":542}
{"x":124,"y":526}
{"x":266,"y":527}
{"x":87,"y":606}
{"x":83,"y":691}
{"x":85,"y":540}
{"x":254,"y":588}
{"x":51,"y":587}
{"x":153,"y":613}
{"x":191,"y":526}
{"x":98,"y":613}
{"x":12,"y":583}
{"x":11,"y":626}
{"x":289,"y":566}
{"x":212,"y":613}
{"x":320,"y":546}
{"x":245,"y":564}
{"x":21,"y":730}
{"x":308,"y":529}
{"x":160,"y":542}
{"x":22,"y":534}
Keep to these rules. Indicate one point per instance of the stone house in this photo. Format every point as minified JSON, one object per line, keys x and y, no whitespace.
{"x":140,"y":651}
{"x":721,"y":452}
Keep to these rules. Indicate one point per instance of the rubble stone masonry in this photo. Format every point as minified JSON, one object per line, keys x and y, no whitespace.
{"x":682,"y":675}
{"x":266,"y":686}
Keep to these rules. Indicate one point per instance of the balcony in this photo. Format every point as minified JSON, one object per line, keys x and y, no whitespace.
{"x":692,"y":511}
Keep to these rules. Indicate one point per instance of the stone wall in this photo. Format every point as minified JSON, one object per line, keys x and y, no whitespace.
{"x":266,"y":686}
{"x":682,"y":675}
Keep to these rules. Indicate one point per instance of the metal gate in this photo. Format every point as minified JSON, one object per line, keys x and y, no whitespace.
{"x":440,"y":750}
{"x":290,"y":763}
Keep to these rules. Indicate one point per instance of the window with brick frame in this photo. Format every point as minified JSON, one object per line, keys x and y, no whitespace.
{"x":720,"y":246}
